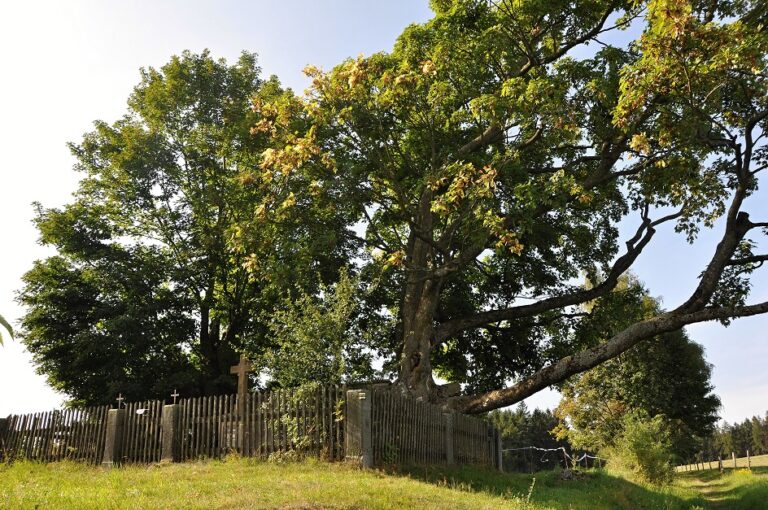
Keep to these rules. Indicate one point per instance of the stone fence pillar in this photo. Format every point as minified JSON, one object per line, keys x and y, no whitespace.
{"x":170,"y":434}
{"x":358,"y":442}
{"x":114,"y":441}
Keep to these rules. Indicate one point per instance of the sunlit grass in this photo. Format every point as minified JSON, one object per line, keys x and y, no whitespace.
{"x":244,"y":483}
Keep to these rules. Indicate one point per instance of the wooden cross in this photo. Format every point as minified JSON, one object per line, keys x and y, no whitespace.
{"x":174,"y":395}
{"x":119,"y":400}
{"x":241,"y":370}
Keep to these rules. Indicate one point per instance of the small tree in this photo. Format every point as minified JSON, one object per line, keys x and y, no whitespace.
{"x":643,"y":448}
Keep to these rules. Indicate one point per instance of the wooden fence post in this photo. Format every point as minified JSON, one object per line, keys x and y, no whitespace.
{"x":749,"y":461}
{"x":448,"y":424}
{"x":499,"y":451}
{"x":114,"y":439}
{"x":733,"y":456}
{"x":357,"y":429}
{"x":169,"y":426}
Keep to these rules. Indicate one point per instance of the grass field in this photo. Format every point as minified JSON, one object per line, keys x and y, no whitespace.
{"x":240,"y":483}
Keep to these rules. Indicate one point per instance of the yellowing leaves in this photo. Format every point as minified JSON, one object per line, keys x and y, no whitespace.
{"x":640,"y":143}
{"x":428,"y":68}
{"x":509,"y":241}
{"x":289,"y":201}
{"x":396,"y":259}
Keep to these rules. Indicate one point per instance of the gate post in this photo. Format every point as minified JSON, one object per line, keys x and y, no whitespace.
{"x":114,"y":440}
{"x":358,"y":442}
{"x":170,"y":433}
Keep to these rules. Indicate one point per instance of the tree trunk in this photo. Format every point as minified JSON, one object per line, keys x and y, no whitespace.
{"x":422,"y":295}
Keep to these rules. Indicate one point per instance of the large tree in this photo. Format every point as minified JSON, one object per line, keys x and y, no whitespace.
{"x":488,"y":160}
{"x":145,"y":294}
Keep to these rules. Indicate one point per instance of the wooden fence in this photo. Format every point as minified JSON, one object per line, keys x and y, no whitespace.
{"x":142,"y":433}
{"x":306,"y":421}
{"x":301,"y":422}
{"x":76,"y":434}
{"x":406,"y":431}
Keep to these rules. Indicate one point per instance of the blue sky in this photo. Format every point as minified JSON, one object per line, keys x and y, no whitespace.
{"x":69,"y":63}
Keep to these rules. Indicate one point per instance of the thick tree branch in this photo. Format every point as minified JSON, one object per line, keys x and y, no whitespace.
{"x":590,"y":358}
{"x":634,"y":247}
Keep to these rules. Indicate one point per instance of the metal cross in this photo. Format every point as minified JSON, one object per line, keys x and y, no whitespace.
{"x":174,"y":395}
{"x":120,"y":400}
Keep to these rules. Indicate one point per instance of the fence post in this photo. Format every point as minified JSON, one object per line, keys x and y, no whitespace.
{"x":720,"y":463}
{"x":357,"y":429}
{"x":733,"y":456}
{"x":499,"y":456}
{"x":170,"y":433}
{"x":749,"y":461}
{"x":114,"y":439}
{"x":3,"y":427}
{"x":448,"y":424}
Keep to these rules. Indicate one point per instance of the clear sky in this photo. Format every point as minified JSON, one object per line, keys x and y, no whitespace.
{"x":66,"y":64}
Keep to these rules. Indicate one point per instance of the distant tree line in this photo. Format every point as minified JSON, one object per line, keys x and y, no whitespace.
{"x":751,"y":434}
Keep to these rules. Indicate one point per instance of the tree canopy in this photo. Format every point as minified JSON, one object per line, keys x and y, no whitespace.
{"x":146,"y":294}
{"x":489,"y":158}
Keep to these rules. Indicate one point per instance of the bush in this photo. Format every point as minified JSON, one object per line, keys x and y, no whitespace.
{"x":644,"y":448}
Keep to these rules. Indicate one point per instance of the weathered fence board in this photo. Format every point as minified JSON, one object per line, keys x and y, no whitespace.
{"x":405,"y":431}
{"x":76,"y":434}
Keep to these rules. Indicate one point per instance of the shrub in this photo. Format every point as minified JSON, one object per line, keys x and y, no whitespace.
{"x":644,"y":448}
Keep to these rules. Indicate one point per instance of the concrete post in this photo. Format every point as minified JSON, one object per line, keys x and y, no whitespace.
{"x":114,"y":440}
{"x":171,"y":434}
{"x":357,"y":429}
{"x":448,"y":423}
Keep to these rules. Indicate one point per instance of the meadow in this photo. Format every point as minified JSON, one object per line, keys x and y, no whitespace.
{"x":245,"y":483}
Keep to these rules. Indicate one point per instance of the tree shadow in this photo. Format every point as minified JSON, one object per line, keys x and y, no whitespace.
{"x":595,"y":490}
{"x":734,"y":489}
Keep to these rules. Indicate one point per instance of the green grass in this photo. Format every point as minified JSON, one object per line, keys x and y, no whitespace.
{"x":244,"y":483}
{"x":741,"y":489}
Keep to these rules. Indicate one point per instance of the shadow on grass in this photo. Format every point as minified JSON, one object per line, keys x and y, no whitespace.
{"x":596,"y":490}
{"x":734,"y":489}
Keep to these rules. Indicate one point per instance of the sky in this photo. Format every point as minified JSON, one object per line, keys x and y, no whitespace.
{"x":66,"y":64}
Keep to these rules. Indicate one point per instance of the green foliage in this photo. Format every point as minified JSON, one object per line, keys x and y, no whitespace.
{"x":145,"y":294}
{"x":317,"y":337}
{"x":666,"y":375}
{"x":643,"y":447}
{"x":490,"y":157}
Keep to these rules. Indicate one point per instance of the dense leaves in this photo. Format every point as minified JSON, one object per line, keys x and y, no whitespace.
{"x":489,"y":158}
{"x":665,"y":376}
{"x":146,"y":294}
